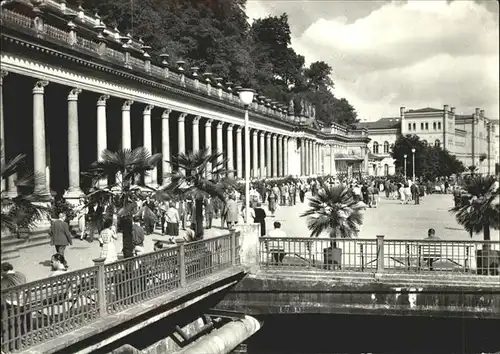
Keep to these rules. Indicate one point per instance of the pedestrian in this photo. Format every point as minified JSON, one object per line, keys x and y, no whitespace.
{"x":276,"y":248}
{"x":58,"y":265}
{"x":232,"y":212}
{"x":106,"y":241}
{"x":302,"y":192}
{"x":172,"y":219}
{"x":271,"y":201}
{"x":137,"y":236}
{"x":81,"y":216}
{"x":259,"y":217}
{"x":209,"y":212}
{"x":60,"y":236}
{"x":415,"y":194}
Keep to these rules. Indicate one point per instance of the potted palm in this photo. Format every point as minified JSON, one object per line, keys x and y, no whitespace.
{"x":336,"y":212}
{"x":125,"y":166}
{"x":28,"y":208}
{"x":194,"y":180}
{"x":479,"y":213}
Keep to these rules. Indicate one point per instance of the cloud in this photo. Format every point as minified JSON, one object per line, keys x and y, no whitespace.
{"x":414,"y":54}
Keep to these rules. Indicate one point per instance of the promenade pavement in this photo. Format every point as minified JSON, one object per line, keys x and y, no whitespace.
{"x":391,"y":219}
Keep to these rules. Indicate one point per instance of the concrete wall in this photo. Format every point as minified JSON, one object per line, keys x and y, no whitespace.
{"x":265,"y":293}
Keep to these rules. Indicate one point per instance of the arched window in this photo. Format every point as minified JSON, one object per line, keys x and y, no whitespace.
{"x":422,"y":126}
{"x":386,"y":170}
{"x":386,"y":147}
{"x":426,"y":126}
{"x":375,"y":147}
{"x":434,"y":125}
{"x":439,"y":125}
{"x":437,"y":143}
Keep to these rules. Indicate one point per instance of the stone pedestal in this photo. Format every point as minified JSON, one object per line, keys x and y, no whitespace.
{"x":249,"y":245}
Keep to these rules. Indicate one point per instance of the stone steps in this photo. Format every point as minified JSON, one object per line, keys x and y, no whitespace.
{"x":12,"y":244}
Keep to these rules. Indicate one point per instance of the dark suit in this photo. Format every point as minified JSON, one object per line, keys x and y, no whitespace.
{"x":415,"y":193}
{"x":60,"y":236}
{"x":209,"y":213}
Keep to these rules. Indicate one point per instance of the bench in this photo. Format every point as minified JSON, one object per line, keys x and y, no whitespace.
{"x":428,"y":254}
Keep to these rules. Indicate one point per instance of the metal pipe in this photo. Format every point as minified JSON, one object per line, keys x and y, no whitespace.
{"x":224,"y":339}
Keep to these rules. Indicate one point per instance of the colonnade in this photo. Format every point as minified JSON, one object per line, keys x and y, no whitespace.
{"x":269,"y":151}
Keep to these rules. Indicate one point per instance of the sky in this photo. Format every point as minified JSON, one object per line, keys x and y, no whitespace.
{"x":388,"y":54}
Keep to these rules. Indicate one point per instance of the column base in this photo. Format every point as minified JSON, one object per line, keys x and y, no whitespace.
{"x":73,"y":195}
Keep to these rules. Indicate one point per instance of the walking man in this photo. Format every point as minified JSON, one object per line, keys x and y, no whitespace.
{"x":60,"y":236}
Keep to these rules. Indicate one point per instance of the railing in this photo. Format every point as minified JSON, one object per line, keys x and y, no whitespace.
{"x":38,"y":311}
{"x":380,"y":255}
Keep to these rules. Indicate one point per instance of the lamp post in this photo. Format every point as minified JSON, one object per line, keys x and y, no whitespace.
{"x":405,"y":156}
{"x":413,"y":157}
{"x":246,"y":97}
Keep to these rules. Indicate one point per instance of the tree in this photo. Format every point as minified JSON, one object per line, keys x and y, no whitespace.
{"x":334,"y":211}
{"x":29,"y":207}
{"x":125,"y":166}
{"x":194,"y":179}
{"x":318,"y":75}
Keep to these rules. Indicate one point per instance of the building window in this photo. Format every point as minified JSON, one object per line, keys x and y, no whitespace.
{"x":439,"y":125}
{"x":421,"y":126}
{"x":434,"y":125}
{"x":414,"y":126}
{"x":386,"y":147}
{"x":437,"y":143}
{"x":375,"y":147}
{"x":409,"y":126}
{"x":426,"y":126}
{"x":386,"y":170}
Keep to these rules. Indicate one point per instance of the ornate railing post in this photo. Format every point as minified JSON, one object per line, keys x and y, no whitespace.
{"x":380,"y":253}
{"x":101,"y":286}
{"x":233,"y":247}
{"x":182,"y":262}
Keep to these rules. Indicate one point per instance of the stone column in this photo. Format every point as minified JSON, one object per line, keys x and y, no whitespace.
{"x":165,"y":146}
{"x":302,"y":157}
{"x":150,"y":179}
{"x":286,"y":141}
{"x":220,"y":142}
{"x":196,"y":133}
{"x":269,"y":168}
{"x":262,"y":156}
{"x":275,"y":155}
{"x":39,"y":151}
{"x":74,"y":192}
{"x":208,"y":140}
{"x":181,"y":136}
{"x":310,"y":157}
{"x":230,"y":158}
{"x":3,"y":73}
{"x":333,"y":171}
{"x":255,"y":154}
{"x":280,"y":156}
{"x":126,"y":133}
{"x":102,"y":140}
{"x":239,"y":159}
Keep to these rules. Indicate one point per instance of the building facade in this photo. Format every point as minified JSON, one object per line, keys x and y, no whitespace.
{"x":473,"y":138}
{"x":71,"y":88}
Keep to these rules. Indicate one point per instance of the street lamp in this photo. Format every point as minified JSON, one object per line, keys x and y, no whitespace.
{"x":413,"y":153}
{"x":246,"y":97}
{"x":405,"y":156}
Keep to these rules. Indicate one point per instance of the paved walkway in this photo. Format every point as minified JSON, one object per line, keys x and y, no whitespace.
{"x":391,"y":219}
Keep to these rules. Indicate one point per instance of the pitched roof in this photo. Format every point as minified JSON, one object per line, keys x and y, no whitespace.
{"x":424,"y":110}
{"x":382,"y":123}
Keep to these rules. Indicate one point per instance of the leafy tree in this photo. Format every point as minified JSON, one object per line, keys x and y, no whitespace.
{"x":195,"y":180}
{"x":125,"y":166}
{"x":318,"y":75}
{"x":334,"y":211}
{"x":29,"y":206}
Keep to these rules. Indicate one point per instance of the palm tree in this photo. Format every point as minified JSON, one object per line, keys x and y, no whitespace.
{"x":480,"y":213}
{"x":29,"y":207}
{"x":195,"y":180}
{"x":334,"y":211}
{"x":126,"y":166}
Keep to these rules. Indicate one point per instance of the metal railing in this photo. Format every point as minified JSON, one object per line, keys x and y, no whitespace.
{"x":38,"y":311}
{"x":381,"y":255}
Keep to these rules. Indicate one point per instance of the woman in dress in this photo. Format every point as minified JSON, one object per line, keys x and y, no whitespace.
{"x":106,"y":239}
{"x":82,"y":215}
{"x":259,"y":217}
{"x":272,"y":202}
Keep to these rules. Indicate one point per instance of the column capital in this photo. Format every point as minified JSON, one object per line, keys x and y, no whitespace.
{"x":73,"y":94}
{"x":196,"y":120}
{"x":101,"y":101}
{"x":255,"y":132}
{"x":274,"y":136}
{"x":208,"y":123}
{"x":182,"y":117}
{"x":239,"y":129}
{"x":166,"y":113}
{"x":147,"y":109}
{"x":126,"y":105}
{"x":220,"y":125}
{"x":230,"y":127}
{"x":39,"y":86}
{"x":3,"y":73}
{"x":268,"y":135}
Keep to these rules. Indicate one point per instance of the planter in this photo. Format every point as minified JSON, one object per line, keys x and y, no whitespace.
{"x":487,"y":261}
{"x":332,"y":258}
